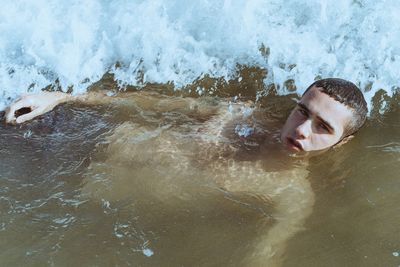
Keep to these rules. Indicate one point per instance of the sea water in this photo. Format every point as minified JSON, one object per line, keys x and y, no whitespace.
{"x":125,"y":184}
{"x":81,"y":186}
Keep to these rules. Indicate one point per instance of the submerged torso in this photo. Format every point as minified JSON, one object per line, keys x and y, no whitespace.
{"x":152,"y":180}
{"x":185,"y":145}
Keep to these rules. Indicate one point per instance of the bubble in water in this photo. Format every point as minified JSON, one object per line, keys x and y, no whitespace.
{"x":147,"y":252}
{"x":28,"y":134}
{"x":244,"y":130}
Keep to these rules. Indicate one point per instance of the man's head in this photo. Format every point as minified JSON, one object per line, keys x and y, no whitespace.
{"x":329,"y":110}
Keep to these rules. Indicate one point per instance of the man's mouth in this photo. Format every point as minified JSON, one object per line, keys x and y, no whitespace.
{"x":293,"y":144}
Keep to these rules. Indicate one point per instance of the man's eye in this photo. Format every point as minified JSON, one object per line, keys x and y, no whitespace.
{"x":323,"y":126}
{"x":303,"y":112}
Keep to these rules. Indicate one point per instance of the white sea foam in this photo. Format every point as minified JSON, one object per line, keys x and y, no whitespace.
{"x":77,"y":42}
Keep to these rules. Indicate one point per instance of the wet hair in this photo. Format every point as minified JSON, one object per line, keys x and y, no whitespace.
{"x":348,"y":94}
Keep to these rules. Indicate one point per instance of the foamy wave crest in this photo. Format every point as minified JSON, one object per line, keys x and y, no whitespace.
{"x":75,"y":43}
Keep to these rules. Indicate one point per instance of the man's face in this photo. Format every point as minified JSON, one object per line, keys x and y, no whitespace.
{"x":317,"y":122}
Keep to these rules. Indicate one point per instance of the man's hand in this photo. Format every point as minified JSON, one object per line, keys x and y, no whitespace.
{"x":30,"y":106}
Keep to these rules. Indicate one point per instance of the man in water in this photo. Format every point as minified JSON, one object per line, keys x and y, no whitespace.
{"x":329,"y":112}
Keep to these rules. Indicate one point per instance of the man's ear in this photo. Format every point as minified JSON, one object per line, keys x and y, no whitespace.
{"x":343,"y":141}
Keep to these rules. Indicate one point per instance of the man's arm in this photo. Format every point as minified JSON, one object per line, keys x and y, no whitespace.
{"x":30,"y":106}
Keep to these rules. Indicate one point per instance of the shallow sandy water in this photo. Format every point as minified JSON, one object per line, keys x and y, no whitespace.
{"x":77,"y":187}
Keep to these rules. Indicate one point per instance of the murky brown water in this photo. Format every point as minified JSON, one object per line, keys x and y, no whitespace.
{"x":356,"y":216}
{"x":151,"y":180}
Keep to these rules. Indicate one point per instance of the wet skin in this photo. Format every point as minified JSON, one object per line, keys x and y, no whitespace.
{"x":317,"y":122}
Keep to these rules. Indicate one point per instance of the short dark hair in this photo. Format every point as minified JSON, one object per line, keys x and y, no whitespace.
{"x":348,"y":94}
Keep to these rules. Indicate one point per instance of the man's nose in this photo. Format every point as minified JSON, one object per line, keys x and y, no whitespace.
{"x":303,"y":131}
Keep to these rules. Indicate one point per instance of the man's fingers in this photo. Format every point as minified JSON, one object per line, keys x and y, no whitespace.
{"x":10,"y":113}
{"x":28,"y":116}
{"x":10,"y":117}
